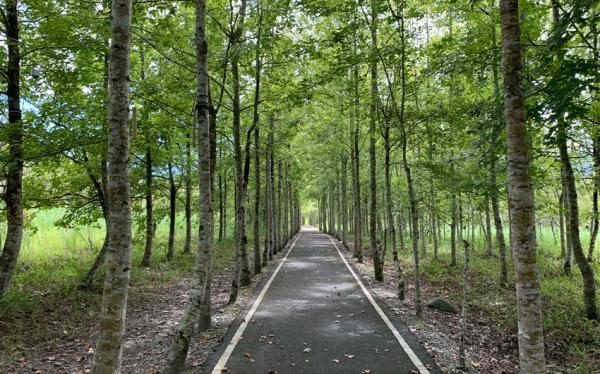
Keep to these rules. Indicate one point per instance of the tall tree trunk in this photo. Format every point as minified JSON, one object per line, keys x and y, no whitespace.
{"x":188,"y":193}
{"x":172,"y":210}
{"x":286,"y":208}
{"x":587,"y":272}
{"x":13,"y":196}
{"x":149,"y":210}
{"x":267,"y":252}
{"x":257,"y":201}
{"x":372,"y":151}
{"x":273,"y":206}
{"x":567,"y":218}
{"x":595,"y":215}
{"x":344,"y":202}
{"x":521,"y":199}
{"x":463,"y":314}
{"x":240,"y":188}
{"x":453,"y":231}
{"x":109,"y":346}
{"x":488,"y":228}
{"x":561,"y":224}
{"x":496,"y":135}
{"x":198,"y":310}
{"x":222,"y":232}
{"x":358,"y":211}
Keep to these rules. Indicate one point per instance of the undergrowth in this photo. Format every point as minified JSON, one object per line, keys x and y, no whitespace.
{"x":44,"y":288}
{"x":572,"y":341}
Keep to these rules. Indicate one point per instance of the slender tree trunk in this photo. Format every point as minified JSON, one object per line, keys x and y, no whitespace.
{"x":149,"y":211}
{"x":499,"y":230}
{"x":521,"y":199}
{"x":595,"y":215}
{"x":13,"y":196}
{"x":198,"y":308}
{"x":372,"y":151}
{"x":241,"y":273}
{"x":463,"y":315}
{"x":276,"y":174}
{"x":267,"y":252}
{"x":257,"y":201}
{"x":221,"y":208}
{"x":587,"y":272}
{"x":561,"y":224}
{"x":344,"y":202}
{"x":496,"y":135}
{"x":109,"y":346}
{"x":188,"y":193}
{"x":453,"y":231}
{"x":358,"y":211}
{"x":172,"y":211}
{"x":567,"y":219}
{"x":488,"y":228}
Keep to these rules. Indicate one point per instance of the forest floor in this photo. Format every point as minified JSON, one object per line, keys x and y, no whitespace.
{"x":59,"y":337}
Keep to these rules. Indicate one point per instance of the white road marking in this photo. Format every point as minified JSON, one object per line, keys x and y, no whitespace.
{"x":409,"y":352}
{"x":240,"y":330}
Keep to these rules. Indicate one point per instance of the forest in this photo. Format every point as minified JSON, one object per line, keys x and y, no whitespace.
{"x":160,"y":159}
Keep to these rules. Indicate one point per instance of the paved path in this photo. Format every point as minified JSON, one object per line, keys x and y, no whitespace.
{"x":313,"y":315}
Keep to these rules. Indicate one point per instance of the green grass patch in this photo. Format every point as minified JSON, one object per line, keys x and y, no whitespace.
{"x":572,"y":341}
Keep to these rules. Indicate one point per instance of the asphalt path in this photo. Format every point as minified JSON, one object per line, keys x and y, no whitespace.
{"x":314,"y":315}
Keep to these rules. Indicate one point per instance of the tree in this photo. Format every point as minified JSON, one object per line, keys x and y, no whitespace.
{"x":521,"y":202}
{"x":198,"y":309}
{"x":107,"y":358}
{"x":13,"y":195}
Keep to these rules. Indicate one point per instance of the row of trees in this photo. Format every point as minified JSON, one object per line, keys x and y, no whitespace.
{"x":388,"y":114}
{"x":420,"y":124}
{"x":68,"y":65}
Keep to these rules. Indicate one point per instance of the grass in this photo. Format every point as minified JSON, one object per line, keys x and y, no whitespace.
{"x":572,"y":341}
{"x":54,"y":259}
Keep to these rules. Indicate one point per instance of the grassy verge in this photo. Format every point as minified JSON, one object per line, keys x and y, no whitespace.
{"x":572,"y":341}
{"x":44,"y":300}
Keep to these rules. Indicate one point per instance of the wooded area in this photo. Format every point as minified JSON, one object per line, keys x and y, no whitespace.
{"x":453,"y":146}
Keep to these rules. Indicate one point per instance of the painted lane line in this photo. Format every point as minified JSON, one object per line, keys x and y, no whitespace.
{"x":218,"y":369}
{"x":407,"y":349}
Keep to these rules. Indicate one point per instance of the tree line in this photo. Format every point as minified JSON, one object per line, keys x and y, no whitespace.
{"x":450,"y":115}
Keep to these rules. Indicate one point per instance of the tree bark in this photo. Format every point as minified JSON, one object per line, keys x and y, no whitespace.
{"x":109,"y":346}
{"x":149,"y":211}
{"x":172,"y":210}
{"x":595,"y":215}
{"x":358,"y":222}
{"x":372,"y":151}
{"x":13,"y":196}
{"x":453,"y":231}
{"x":240,"y":196}
{"x":521,"y":199}
{"x":344,"y":203}
{"x":188,"y":193}
{"x":488,"y":228}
